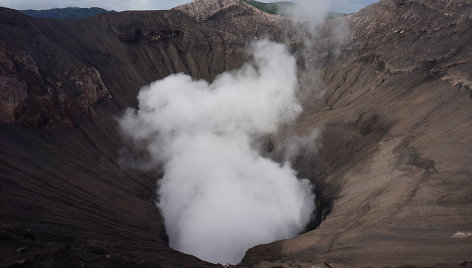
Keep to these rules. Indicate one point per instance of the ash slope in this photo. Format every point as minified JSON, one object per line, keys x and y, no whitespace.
{"x":396,"y":156}
{"x":394,"y":166}
{"x":64,"y":195}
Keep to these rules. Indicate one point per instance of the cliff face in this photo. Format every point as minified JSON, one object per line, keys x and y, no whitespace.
{"x":55,"y":71}
{"x":393,"y":170}
{"x":246,"y":20}
{"x":395,"y":162}
{"x":64,"y":194}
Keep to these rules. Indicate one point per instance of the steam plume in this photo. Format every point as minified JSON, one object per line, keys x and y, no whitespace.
{"x":219,"y":196}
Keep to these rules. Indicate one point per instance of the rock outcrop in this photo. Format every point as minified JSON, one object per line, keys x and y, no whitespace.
{"x":45,"y":97}
{"x":246,"y":21}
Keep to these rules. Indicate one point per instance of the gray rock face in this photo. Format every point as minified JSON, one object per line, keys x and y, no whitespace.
{"x":396,"y":152}
{"x":203,"y":10}
{"x":246,"y":21}
{"x":65,"y":195}
{"x":35,"y":98}
{"x":14,"y":91}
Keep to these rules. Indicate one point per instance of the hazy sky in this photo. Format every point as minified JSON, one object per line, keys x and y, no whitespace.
{"x":346,"y":6}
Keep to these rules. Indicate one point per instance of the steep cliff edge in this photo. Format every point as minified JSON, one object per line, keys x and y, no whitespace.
{"x":393,"y":168}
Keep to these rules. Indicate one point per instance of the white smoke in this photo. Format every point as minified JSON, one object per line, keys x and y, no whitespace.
{"x":318,"y":38}
{"x":219,"y":196}
{"x":297,"y":143}
{"x":311,"y":12}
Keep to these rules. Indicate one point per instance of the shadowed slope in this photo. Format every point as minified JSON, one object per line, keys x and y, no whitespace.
{"x":65,"y":195}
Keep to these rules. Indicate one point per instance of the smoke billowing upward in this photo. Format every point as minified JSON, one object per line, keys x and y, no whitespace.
{"x":219,"y":196}
{"x":318,"y":39}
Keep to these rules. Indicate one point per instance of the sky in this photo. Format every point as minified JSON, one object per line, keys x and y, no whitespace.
{"x":345,"y":6}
